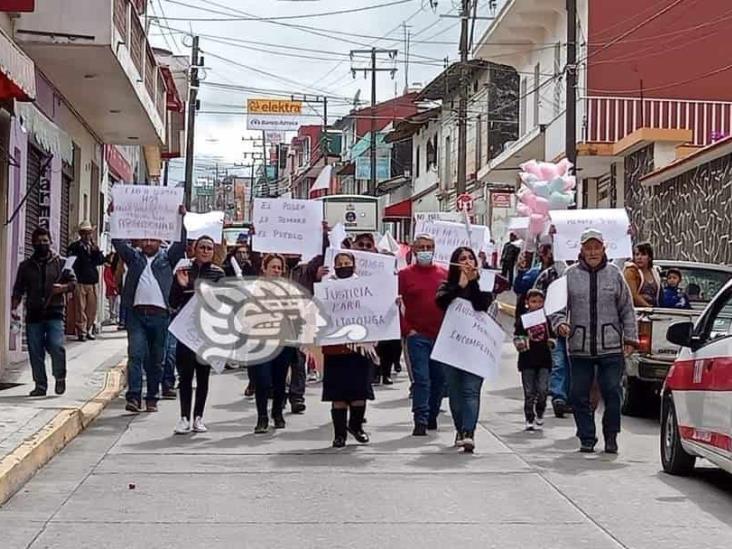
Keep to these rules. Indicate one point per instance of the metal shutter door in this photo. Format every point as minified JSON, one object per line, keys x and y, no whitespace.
{"x":32,"y":203}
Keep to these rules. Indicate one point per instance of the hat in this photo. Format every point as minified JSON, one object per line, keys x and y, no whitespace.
{"x":591,"y":234}
{"x":86,"y":226}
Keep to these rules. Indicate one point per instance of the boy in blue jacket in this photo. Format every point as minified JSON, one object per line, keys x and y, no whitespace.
{"x":674,"y":297}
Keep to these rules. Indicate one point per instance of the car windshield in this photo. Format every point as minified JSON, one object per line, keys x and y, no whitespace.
{"x":701,"y":285}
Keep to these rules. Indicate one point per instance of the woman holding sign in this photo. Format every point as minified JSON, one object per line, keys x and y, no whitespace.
{"x":463,"y":387}
{"x":347,"y":375}
{"x":188,"y":365}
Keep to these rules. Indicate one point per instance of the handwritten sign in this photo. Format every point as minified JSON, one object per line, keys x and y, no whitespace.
{"x":145,"y":211}
{"x":556,"y":296}
{"x":420,"y":217}
{"x":367,"y":305}
{"x":367,"y":263}
{"x":185,"y":329}
{"x":449,"y":236}
{"x":209,"y":224}
{"x":487,"y":280}
{"x":288,"y":226}
{"x":337,"y":235}
{"x":469,"y":340}
{"x":612,"y":223}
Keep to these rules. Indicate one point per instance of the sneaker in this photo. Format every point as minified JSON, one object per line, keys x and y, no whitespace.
{"x":468,"y":442}
{"x":262,"y":426}
{"x":420,"y":430}
{"x":151,"y":406}
{"x":91,"y":337}
{"x":183,"y":427}
{"x":611,"y":444}
{"x":459,"y":440}
{"x":587,"y":446}
{"x":432,"y":425}
{"x":539,"y":423}
{"x":133,"y":406}
{"x":313,"y":376}
{"x":37,"y":392}
{"x":169,"y":394}
{"x":279,"y":422}
{"x":199,"y":426}
{"x":60,"y":386}
{"x":529,"y":426}
{"x":297,"y":407}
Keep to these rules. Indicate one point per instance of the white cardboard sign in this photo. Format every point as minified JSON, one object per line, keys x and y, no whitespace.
{"x":469,"y":340}
{"x":534,"y":318}
{"x":449,"y":236}
{"x":556,"y":296}
{"x":209,"y":224}
{"x":612,"y":223}
{"x":288,"y":226}
{"x":367,"y":263}
{"x":487,"y":280}
{"x":146,"y":211}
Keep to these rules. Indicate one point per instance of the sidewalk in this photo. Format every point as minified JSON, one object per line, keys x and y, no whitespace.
{"x":33,"y":430}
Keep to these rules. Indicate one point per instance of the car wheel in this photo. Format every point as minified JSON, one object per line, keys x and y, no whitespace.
{"x":634,"y":397}
{"x":675,"y":460}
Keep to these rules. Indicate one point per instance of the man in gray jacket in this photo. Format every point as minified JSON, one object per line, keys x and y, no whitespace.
{"x":600,"y":326}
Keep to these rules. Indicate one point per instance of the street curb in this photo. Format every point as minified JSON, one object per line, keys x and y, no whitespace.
{"x":21,"y":464}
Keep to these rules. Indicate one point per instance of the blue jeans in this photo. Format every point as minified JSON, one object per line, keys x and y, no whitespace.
{"x":609,"y":377}
{"x":464,"y":391}
{"x":169,"y":362}
{"x":429,"y":379}
{"x":559,"y":377}
{"x":147,"y":335}
{"x":47,"y":335}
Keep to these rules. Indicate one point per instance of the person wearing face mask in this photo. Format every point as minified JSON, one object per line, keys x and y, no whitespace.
{"x":347,"y":374}
{"x":421,"y":320}
{"x":42,"y":280}
{"x":186,"y":361}
{"x":600,"y":325}
{"x":146,"y":294}
{"x":463,"y":387}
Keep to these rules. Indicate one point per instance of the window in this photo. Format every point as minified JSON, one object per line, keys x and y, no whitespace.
{"x":416,"y":163}
{"x":717,"y":323}
{"x":537,"y":93}
{"x":522,"y":108}
{"x":431,"y":153}
{"x":701,"y":284}
{"x":478,"y":142}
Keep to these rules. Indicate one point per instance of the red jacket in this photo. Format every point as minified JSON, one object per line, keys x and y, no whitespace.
{"x":110,"y":282}
{"x":418,"y":288}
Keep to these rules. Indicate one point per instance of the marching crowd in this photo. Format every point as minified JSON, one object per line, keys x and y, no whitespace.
{"x":574,"y":356}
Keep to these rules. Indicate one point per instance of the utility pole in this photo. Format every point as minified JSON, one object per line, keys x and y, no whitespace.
{"x":324,"y":142}
{"x":192,"y":107}
{"x":373,"y":70}
{"x":264,"y":162}
{"x":407,"y":41}
{"x":571,"y":116}
{"x":463,"y":102}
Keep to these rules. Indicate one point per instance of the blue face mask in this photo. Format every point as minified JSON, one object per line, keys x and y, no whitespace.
{"x":425,"y":258}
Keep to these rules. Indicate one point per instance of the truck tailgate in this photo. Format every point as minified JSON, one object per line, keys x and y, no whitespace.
{"x":661,"y":349}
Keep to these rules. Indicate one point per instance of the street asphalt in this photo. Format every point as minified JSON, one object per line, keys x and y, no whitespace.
{"x":128,"y":482}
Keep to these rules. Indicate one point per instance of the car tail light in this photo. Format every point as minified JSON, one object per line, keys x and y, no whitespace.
{"x":645,"y":335}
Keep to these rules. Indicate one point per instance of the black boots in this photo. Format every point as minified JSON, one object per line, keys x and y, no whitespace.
{"x":355,"y":424}
{"x":340,"y":430}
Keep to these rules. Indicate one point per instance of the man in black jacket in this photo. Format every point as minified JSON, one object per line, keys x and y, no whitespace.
{"x":509,"y":257}
{"x":43,"y":282}
{"x":86,"y":268}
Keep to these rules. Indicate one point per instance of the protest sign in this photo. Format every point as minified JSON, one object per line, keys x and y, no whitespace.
{"x":534,"y":318}
{"x":454,"y":217}
{"x":556,"y":296}
{"x":612,"y":223}
{"x":146,"y":211}
{"x":487,"y":280}
{"x":367,"y":263}
{"x":469,"y":340}
{"x":337,"y":235}
{"x":288,"y":226}
{"x":69,"y":263}
{"x":449,"y":236}
{"x":368,"y":304}
{"x":185,"y":329}
{"x":209,"y":224}
{"x":184,"y":263}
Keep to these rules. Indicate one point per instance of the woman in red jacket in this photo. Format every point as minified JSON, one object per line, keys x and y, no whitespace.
{"x":111,"y":291}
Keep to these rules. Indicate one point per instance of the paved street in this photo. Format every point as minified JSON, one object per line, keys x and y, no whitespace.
{"x":127,"y":482}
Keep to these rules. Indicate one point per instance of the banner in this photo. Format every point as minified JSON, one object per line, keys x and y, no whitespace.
{"x":145,"y":211}
{"x":570,"y":224}
{"x":288,"y":226}
{"x":367,"y":305}
{"x":210,"y":224}
{"x":455,"y":217}
{"x":273,"y":115}
{"x":367,"y":263}
{"x":469,"y":340}
{"x":449,"y":236}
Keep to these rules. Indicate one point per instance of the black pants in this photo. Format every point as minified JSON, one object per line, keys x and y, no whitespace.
{"x":272,"y":375}
{"x":390,"y":353}
{"x":297,"y":376}
{"x":507,"y":272}
{"x":536,"y":389}
{"x":188,"y":366}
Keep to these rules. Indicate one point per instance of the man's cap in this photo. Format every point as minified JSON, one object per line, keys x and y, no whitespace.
{"x":591,"y":234}
{"x":85,"y":226}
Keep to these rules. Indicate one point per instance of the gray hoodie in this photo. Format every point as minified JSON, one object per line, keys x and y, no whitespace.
{"x":599,"y":311}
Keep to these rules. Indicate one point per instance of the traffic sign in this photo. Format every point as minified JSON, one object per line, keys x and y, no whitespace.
{"x":465,"y":203}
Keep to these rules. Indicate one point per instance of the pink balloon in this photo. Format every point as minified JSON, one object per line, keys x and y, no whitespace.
{"x":564,"y":166}
{"x":536,"y":224}
{"x":529,"y":199}
{"x":541,"y":206}
{"x":570,"y":182}
{"x":532,"y":167}
{"x":548,"y":171}
{"x":523,"y":210}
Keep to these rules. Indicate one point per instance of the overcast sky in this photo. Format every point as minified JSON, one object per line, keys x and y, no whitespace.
{"x":244,"y":53}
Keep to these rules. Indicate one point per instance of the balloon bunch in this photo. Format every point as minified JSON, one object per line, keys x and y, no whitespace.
{"x":545,"y":186}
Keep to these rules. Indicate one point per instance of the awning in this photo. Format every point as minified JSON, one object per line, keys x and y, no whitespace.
{"x":400,"y":210}
{"x":17,"y":72}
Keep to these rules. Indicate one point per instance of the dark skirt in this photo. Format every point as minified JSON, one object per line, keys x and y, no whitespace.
{"x":347,"y":378}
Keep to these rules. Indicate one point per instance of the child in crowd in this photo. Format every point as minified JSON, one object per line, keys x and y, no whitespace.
{"x":535,"y":362}
{"x":674,"y":297}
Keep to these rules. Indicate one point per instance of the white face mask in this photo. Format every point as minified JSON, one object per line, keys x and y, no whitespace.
{"x":425,"y":258}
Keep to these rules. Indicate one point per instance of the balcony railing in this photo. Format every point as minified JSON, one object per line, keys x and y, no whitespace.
{"x":137,"y":43}
{"x":160,"y":98}
{"x":610,"y":119}
{"x":120,"y":16}
{"x":151,"y":71}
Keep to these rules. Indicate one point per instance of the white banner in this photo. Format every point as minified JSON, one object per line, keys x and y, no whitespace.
{"x":487,"y":280}
{"x":366,"y":306}
{"x":185,"y":329}
{"x":556,"y":296}
{"x":469,"y":340}
{"x":449,"y":236}
{"x":209,"y":224}
{"x":288,"y":226}
{"x":455,"y":217}
{"x":146,"y":211}
{"x":367,"y":263}
{"x":613,"y":224}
